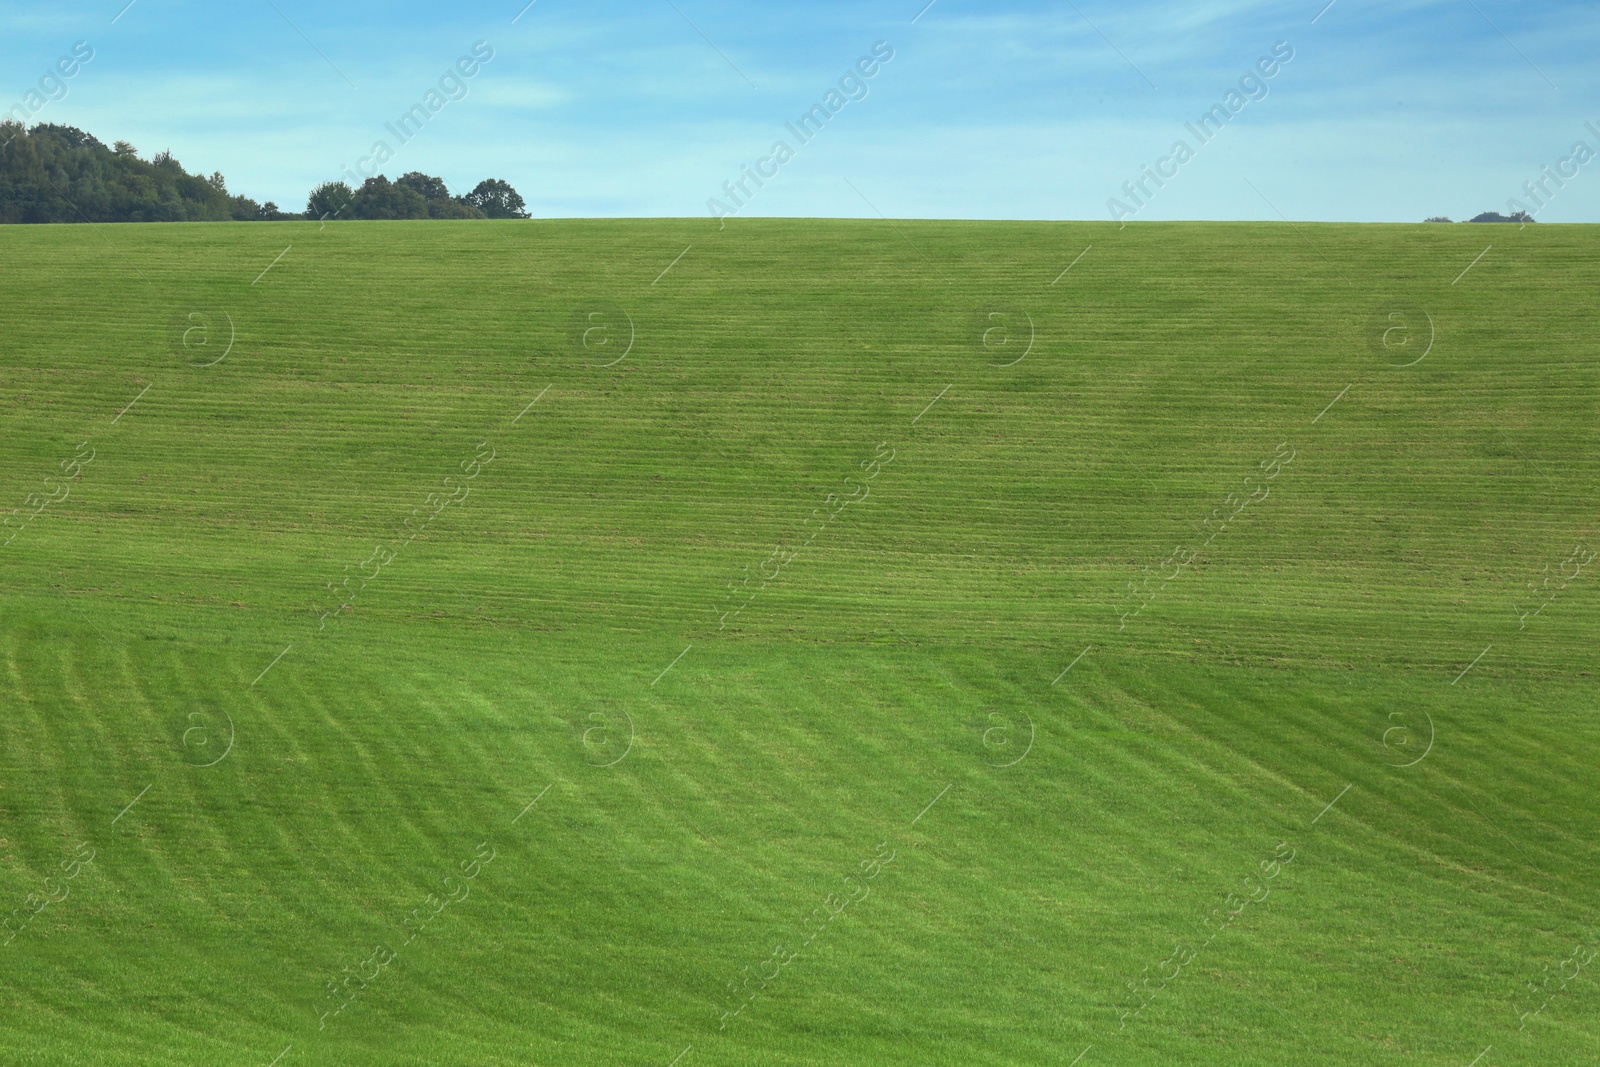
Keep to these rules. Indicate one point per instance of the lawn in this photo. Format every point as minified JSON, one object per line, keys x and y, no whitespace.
{"x":846,"y":642}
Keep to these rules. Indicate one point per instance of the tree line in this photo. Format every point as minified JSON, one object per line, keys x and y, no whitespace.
{"x":56,"y":173}
{"x":1491,"y":216}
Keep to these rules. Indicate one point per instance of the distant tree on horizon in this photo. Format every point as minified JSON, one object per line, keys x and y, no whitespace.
{"x":413,"y":195}
{"x":497,"y":200}
{"x":379,"y":199}
{"x":329,"y":200}
{"x":441,"y":205}
{"x":426,"y":185}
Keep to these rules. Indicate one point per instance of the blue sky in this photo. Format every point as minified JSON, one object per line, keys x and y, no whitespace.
{"x":1390,"y":110}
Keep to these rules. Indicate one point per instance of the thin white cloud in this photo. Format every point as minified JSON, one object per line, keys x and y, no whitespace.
{"x":520,"y":94}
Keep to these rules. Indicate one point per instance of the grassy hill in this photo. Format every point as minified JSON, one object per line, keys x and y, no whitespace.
{"x":910,"y":652}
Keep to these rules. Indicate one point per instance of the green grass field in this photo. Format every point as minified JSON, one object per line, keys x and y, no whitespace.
{"x":768,"y":600}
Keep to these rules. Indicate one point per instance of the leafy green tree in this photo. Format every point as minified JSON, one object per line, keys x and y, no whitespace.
{"x":330,"y":200}
{"x":441,"y":205}
{"x":452,"y":209}
{"x":379,"y":198}
{"x":497,"y":199}
{"x":429,"y":187}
